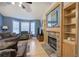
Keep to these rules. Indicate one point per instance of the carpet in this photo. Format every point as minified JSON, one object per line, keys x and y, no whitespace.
{"x":49,"y":50}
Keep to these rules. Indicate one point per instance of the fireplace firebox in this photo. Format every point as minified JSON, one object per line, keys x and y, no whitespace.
{"x":52,"y":41}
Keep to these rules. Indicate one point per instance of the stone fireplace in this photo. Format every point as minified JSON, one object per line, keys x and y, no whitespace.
{"x":53,"y":40}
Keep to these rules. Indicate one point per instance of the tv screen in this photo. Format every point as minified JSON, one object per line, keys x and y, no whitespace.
{"x":53,"y":19}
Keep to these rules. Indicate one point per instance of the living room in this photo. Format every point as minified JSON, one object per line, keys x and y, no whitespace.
{"x":39,"y":29}
{"x":19,"y":23}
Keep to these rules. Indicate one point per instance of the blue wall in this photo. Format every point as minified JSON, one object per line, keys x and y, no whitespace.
{"x":8,"y":21}
{"x":1,"y":21}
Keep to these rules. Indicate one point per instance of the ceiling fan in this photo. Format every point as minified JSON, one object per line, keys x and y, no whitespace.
{"x":29,"y":2}
{"x":26,"y":6}
{"x":23,"y":6}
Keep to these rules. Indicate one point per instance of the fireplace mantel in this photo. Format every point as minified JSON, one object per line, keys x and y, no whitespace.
{"x":55,"y":30}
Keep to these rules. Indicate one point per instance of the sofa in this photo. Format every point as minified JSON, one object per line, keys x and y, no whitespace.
{"x":8,"y":43}
{"x":24,"y":35}
{"x":8,"y":53}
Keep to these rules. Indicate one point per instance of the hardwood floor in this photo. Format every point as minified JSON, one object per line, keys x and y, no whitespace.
{"x":35,"y":49}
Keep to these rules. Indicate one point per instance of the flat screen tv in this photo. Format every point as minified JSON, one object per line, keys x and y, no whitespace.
{"x":53,"y":19}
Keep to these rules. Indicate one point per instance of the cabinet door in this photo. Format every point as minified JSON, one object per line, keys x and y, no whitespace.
{"x":68,"y":50}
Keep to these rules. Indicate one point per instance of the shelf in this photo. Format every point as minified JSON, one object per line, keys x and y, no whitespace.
{"x":70,"y":14}
{"x":70,"y":29}
{"x":69,"y":41}
{"x":70,"y":24}
{"x":56,"y":30}
{"x":70,"y":6}
{"x":70,"y":33}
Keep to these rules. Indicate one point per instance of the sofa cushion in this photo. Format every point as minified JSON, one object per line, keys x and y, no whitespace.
{"x":5,"y":35}
{"x":10,"y":39}
{"x":6,"y":44}
{"x":13,"y":34}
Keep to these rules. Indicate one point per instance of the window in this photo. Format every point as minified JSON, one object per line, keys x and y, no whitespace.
{"x":33,"y":28}
{"x":25,"y":26}
{"x":15,"y":26}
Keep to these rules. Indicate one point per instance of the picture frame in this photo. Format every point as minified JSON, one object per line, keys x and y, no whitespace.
{"x":53,"y":19}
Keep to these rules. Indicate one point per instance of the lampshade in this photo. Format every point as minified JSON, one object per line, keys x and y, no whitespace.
{"x":5,"y":27}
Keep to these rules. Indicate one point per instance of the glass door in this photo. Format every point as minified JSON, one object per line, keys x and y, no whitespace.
{"x":32,"y":28}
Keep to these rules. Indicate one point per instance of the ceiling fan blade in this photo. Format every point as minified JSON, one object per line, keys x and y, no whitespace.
{"x":27,"y":7}
{"x":23,"y":6}
{"x":29,"y":2}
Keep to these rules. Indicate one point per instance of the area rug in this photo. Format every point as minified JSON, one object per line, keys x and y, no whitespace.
{"x":49,"y":50}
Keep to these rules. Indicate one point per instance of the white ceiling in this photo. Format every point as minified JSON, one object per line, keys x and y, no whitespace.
{"x":36,"y":12}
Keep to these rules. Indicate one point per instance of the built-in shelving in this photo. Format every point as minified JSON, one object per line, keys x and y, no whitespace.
{"x":69,"y":15}
{"x":70,"y":29}
{"x":72,"y":14}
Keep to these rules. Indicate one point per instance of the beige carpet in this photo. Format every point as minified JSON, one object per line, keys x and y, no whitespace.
{"x":49,"y":50}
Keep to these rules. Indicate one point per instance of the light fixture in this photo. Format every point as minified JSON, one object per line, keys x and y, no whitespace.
{"x":20,"y":3}
{"x":4,"y":28}
{"x":13,"y":3}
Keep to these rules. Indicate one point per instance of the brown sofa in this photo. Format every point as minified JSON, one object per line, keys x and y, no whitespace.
{"x":8,"y":41}
{"x":8,"y":53}
{"x":10,"y":46}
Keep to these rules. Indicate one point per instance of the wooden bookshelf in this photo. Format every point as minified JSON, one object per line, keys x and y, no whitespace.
{"x":72,"y":14}
{"x":70,"y":30}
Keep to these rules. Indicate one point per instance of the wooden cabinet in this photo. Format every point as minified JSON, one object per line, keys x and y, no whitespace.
{"x":68,"y":49}
{"x":70,"y":30}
